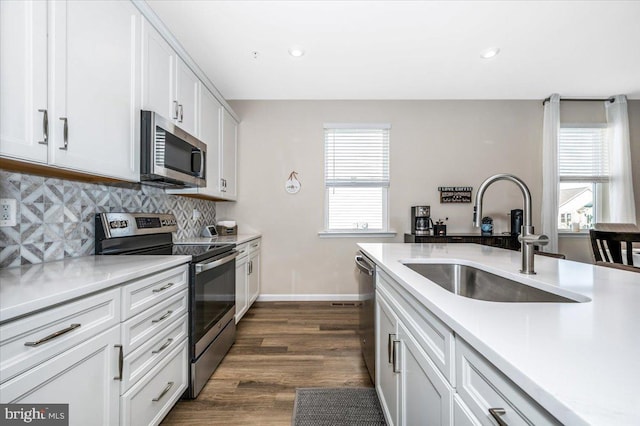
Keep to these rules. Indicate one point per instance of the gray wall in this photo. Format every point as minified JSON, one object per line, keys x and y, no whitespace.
{"x":56,"y":216}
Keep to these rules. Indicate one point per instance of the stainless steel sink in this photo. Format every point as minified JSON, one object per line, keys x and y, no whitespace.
{"x":475,"y":283}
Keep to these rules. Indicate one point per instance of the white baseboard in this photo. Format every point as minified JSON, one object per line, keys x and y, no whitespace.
{"x":308,"y":297}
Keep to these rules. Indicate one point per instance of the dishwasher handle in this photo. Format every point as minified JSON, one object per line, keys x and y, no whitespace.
{"x":364,"y":266}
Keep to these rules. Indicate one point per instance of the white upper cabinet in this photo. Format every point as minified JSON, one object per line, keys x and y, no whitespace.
{"x":94,"y":73}
{"x":228,"y":155}
{"x":23,"y":59}
{"x":210,"y":110}
{"x":169,"y":87}
{"x":69,"y":100}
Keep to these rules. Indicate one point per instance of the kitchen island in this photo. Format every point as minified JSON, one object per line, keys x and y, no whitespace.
{"x":578,"y":361}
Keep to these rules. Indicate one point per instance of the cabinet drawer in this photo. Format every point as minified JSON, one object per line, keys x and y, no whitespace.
{"x":55,"y":330}
{"x":482,"y":386}
{"x":149,"y":400}
{"x":141,"y":328}
{"x":254,"y":245}
{"x":432,"y":335}
{"x":139,"y":362}
{"x":243,"y":250}
{"x":146,"y":292}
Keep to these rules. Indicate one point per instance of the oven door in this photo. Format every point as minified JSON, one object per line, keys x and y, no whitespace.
{"x":213,"y":299}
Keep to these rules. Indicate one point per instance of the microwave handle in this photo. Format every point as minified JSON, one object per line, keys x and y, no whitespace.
{"x":202,"y":172}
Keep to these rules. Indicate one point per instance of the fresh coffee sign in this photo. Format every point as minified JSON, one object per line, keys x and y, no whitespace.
{"x":455,"y":194}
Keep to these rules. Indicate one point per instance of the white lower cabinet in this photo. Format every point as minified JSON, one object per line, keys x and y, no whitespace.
{"x":427,"y":375}
{"x":116,"y":357}
{"x":82,"y":377}
{"x":242,"y":278}
{"x":149,"y":400}
{"x":247,"y":276}
{"x":411,"y":390}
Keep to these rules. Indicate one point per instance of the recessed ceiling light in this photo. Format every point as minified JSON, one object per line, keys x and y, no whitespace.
{"x":489,"y":53}
{"x":296,"y":52}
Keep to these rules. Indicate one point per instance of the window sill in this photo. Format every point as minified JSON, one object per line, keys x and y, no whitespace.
{"x":571,"y":234}
{"x":357,"y":234}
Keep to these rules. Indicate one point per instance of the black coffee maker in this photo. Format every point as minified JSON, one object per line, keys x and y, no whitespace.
{"x":421,"y":223}
{"x":516,"y":221}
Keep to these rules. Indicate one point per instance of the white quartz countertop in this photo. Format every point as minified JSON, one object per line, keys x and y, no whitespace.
{"x":580,"y":361}
{"x":27,"y":289}
{"x":226,"y":239}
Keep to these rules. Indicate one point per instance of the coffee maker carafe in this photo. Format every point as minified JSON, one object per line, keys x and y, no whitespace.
{"x":421,"y":223}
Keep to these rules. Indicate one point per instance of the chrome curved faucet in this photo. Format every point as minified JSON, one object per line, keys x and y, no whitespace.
{"x":526,"y":237}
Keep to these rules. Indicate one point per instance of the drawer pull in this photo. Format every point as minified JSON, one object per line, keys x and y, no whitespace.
{"x":396,"y":343}
{"x":163,"y":288}
{"x":390,"y":348}
{"x":53,"y":335}
{"x":159,"y":397}
{"x":254,"y":245}
{"x":120,"y":363}
{"x":163,"y":347}
{"x":496,"y":413}
{"x":162,"y":317}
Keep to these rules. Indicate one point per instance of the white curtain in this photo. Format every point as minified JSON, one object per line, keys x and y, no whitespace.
{"x":550,"y":132}
{"x":622,"y":207}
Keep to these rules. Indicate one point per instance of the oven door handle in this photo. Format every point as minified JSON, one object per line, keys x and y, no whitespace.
{"x":201,"y":267}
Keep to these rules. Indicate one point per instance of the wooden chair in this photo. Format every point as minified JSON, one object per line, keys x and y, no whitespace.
{"x":608,"y":245}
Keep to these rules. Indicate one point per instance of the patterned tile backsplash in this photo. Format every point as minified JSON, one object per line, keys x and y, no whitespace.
{"x":56,"y":216}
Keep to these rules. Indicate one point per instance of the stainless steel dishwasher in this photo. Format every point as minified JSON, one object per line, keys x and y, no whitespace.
{"x":367,"y":290}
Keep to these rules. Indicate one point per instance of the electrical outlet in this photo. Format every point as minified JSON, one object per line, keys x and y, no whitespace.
{"x":8,"y":212}
{"x":196,"y":214}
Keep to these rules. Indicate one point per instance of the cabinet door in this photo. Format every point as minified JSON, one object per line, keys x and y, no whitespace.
{"x":387,"y":380}
{"x":188,"y":96}
{"x":87,"y":369}
{"x":95,"y":75}
{"x":426,"y":397}
{"x":23,"y":79}
{"x":242,"y":295}
{"x":210,"y":134}
{"x":462,"y":416}
{"x":158,"y":74}
{"x":254,"y":277}
{"x":228,"y":155}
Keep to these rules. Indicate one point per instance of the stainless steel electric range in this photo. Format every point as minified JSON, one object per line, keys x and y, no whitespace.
{"x":212,"y":282}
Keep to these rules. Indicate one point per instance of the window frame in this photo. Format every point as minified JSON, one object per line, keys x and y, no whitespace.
{"x":385,"y":230}
{"x":598,"y":184}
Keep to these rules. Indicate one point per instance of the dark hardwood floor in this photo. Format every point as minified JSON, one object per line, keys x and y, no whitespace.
{"x":279,"y":347}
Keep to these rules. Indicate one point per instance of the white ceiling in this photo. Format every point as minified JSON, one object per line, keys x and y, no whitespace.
{"x":411,"y":49}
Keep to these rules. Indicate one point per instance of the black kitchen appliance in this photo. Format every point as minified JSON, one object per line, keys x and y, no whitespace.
{"x":421,"y":223}
{"x":212,"y":282}
{"x":516,"y":221}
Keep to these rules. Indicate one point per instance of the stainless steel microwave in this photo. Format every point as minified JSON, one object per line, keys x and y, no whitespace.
{"x":170,"y":157}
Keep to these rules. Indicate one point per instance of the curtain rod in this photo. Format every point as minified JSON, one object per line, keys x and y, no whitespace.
{"x":611,"y":99}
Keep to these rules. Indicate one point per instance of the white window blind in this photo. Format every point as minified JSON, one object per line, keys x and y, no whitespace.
{"x":583,"y":154}
{"x":356,"y":176}
{"x":356,"y":157}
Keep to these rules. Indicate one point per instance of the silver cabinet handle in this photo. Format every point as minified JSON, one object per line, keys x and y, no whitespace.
{"x":390,"y":348}
{"x":181,"y":113}
{"x":120,"y":363}
{"x":163,"y":347}
{"x":163,"y":288}
{"x":254,"y":245}
{"x":175,"y":110}
{"x":497,"y":414}
{"x":52,"y":336}
{"x":159,"y":397}
{"x":395,"y":345}
{"x":162,"y":317}
{"x":65,"y":134}
{"x":45,"y":127}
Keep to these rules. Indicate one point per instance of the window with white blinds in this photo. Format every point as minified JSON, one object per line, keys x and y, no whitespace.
{"x":356,"y":177}
{"x":583,"y":172}
{"x":583,"y":154}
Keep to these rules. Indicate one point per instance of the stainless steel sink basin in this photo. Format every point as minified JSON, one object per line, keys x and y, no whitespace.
{"x":475,"y":283}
